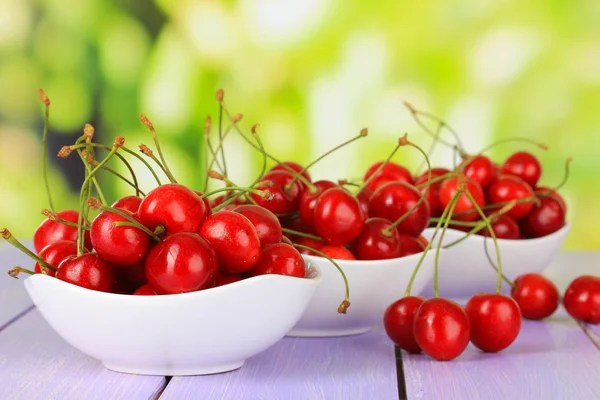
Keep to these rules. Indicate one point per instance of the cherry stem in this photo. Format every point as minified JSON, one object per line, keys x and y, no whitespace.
{"x":562,"y":182}
{"x":150,"y":127}
{"x":260,"y":193}
{"x":388,"y":231}
{"x":416,"y":269}
{"x":437,"y":179}
{"x":134,"y":185}
{"x":7,"y":235}
{"x":488,"y":207}
{"x":130,"y":220}
{"x":52,"y":216}
{"x":303,"y":234}
{"x":453,"y":203}
{"x":415,"y":113}
{"x":378,"y":170}
{"x":221,"y":138}
{"x":46,"y":102}
{"x":363,"y":133}
{"x":513,"y":139}
{"x":214,"y":152}
{"x":489,"y":258}
{"x":346,"y":303}
{"x":17,"y":270}
{"x":493,"y":235}
{"x":431,"y":147}
{"x":137,"y":225}
{"x":145,"y":150}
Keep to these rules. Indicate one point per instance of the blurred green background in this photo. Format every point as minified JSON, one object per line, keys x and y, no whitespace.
{"x":311,"y":72}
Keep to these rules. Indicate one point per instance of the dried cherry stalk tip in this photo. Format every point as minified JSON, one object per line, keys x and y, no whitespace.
{"x":44,"y":97}
{"x":146,"y":122}
{"x":88,"y":131}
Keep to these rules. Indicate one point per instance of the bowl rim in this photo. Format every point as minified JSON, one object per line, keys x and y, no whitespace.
{"x":559,"y":232}
{"x":309,"y":280}
{"x":375,"y":263}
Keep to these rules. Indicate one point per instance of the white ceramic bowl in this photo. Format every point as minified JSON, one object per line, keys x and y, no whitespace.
{"x":374,"y":285}
{"x":467,"y":271}
{"x":205,"y":332}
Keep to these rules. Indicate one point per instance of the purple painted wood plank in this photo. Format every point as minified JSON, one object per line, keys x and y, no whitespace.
{"x":352,"y":367}
{"x":35,"y":363}
{"x":13,"y":298}
{"x":549,"y":360}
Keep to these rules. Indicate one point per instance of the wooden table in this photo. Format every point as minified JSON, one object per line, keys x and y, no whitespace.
{"x":553,"y":359}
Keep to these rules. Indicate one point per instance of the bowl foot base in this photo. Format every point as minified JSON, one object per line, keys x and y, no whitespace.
{"x":172,"y":370}
{"x":327,"y":332}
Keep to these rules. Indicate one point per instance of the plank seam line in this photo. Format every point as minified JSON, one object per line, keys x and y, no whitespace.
{"x":16,"y":317}
{"x":593,"y":337}
{"x":162,"y":389}
{"x":400,"y":374}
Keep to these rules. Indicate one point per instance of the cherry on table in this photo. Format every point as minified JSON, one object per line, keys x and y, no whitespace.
{"x":464,"y":206}
{"x":442,"y":329}
{"x":523,"y":165}
{"x":50,"y":231}
{"x":376,"y":241}
{"x":506,"y":188}
{"x":280,"y":259}
{"x":338,"y":217}
{"x":182,"y":262}
{"x":495,"y":321}
{"x":55,"y":253}
{"x":582,"y":299}
{"x":88,"y":271}
{"x":398,"y":321}
{"x":268,"y":227}
{"x":536,"y":295}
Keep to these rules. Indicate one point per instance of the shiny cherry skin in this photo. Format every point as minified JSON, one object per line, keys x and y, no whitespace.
{"x":55,"y":253}
{"x":175,"y":207}
{"x":544,"y":191}
{"x":374,"y":242}
{"x":226,"y":279}
{"x":392,"y":200}
{"x":338,"y":218}
{"x":337,"y":252}
{"x":119,"y":245}
{"x":504,"y":227}
{"x":145,"y":290}
{"x":410,"y":245}
{"x":524,"y":165}
{"x":308,"y":199}
{"x":495,"y":321}
{"x":129,"y":203}
{"x":536,"y":296}
{"x":433,"y":196}
{"x":543,"y":219}
{"x":293,"y":165}
{"x":87,"y":271}
{"x":308,"y":242}
{"x":281,"y":259}
{"x":181,"y":262}
{"x":51,"y":231}
{"x":234,"y":239}
{"x":442,"y":329}
{"x":449,"y":188}
{"x":582,"y":299}
{"x":399,"y":321}
{"x":266,"y":224}
{"x":206,"y":202}
{"x":506,"y":188}
{"x":284,"y":200}
{"x":391,"y":172}
{"x":481,"y":169}
{"x":364,"y":197}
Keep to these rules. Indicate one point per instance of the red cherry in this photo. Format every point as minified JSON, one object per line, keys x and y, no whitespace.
{"x":399,"y":320}
{"x":283,"y":200}
{"x":55,"y":253}
{"x":495,"y":321}
{"x":542,"y":191}
{"x":286,"y":240}
{"x":442,"y":329}
{"x":308,"y":200}
{"x":119,"y":245}
{"x":536,"y":296}
{"x":410,"y":245}
{"x":582,"y":299}
{"x":220,"y":199}
{"x":433,"y":197}
{"x":234,"y":240}
{"x":226,"y":279}
{"x":308,"y":242}
{"x":481,"y":169}
{"x":463,"y":205}
{"x":364,"y":197}
{"x":88,"y":271}
{"x":523,"y":165}
{"x":506,"y":188}
{"x":51,"y":231}
{"x":145,"y":290}
{"x":375,"y":242}
{"x":174,"y":206}
{"x":281,"y":259}
{"x":544,"y":219}
{"x":206,"y":202}
{"x":295,"y":166}
{"x":182,"y":262}
{"x":504,"y":227}
{"x":338,"y":217}
{"x":392,"y":200}
{"x":266,"y":224}
{"x":337,"y":252}
{"x":391,"y":172}
{"x":129,"y":203}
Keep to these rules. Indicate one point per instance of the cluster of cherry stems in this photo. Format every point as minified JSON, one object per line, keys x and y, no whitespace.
{"x":175,"y":239}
